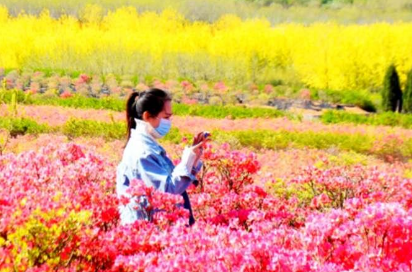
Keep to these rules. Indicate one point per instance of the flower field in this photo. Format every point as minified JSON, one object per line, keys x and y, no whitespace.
{"x":288,"y":209}
{"x":320,"y":55}
{"x":277,"y":192}
{"x":389,"y":143}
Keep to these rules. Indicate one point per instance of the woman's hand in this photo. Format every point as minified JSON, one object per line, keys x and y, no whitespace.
{"x":198,"y":143}
{"x":198,"y":138}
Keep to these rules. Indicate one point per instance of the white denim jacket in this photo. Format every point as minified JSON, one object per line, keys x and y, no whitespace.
{"x":144,"y":159}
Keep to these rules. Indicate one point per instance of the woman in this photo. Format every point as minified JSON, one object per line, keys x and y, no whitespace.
{"x":148,"y":119}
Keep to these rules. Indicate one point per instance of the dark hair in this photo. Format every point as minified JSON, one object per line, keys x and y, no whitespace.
{"x":152,"y":101}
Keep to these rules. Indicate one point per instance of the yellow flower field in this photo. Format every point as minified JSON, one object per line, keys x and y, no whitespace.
{"x":166,"y":45}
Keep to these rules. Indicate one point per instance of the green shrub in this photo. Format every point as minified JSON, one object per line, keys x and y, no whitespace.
{"x":40,"y":241}
{"x":387,"y":148}
{"x":21,"y":126}
{"x":406,"y":149}
{"x":391,"y":92}
{"x":109,"y":131}
{"x":175,"y":136}
{"x":360,"y":98}
{"x":235,"y":112}
{"x":381,"y":119}
{"x":334,"y":117}
{"x":6,"y":96}
{"x":302,"y":192}
{"x":407,"y":95}
{"x":268,"y":139}
{"x":216,"y":101}
{"x":115,"y":104}
{"x":349,"y":158}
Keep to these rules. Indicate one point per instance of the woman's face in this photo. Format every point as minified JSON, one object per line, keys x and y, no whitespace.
{"x":166,"y":113}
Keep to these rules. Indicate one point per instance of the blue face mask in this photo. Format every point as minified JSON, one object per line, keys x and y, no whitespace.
{"x":164,"y":127}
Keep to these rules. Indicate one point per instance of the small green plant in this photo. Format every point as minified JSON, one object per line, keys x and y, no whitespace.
{"x":281,"y":188}
{"x":13,"y":104}
{"x":89,"y":128}
{"x":3,"y":91}
{"x":4,"y":84}
{"x":4,"y":140}
{"x":21,"y":126}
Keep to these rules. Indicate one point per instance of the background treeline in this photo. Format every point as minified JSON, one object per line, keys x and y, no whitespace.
{"x":276,"y":11}
{"x":343,"y":61}
{"x":168,"y":46}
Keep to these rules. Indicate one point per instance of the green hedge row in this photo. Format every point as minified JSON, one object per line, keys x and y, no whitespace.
{"x":211,"y":111}
{"x":22,"y":126}
{"x":256,"y":139}
{"x":384,"y":119}
{"x":81,"y":102}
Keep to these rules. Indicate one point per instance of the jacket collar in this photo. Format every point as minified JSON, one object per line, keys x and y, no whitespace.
{"x":140,"y":133}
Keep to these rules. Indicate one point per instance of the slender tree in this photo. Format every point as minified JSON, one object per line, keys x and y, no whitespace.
{"x":391,"y":92}
{"x":407,"y":94}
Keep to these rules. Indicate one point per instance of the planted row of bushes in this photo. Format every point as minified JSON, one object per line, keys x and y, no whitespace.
{"x":77,"y":101}
{"x":391,"y":147}
{"x":381,"y":119}
{"x":22,"y":126}
{"x":388,"y":148}
{"x":211,"y":111}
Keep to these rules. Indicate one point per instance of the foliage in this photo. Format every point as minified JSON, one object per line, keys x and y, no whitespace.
{"x":4,"y":140}
{"x":81,"y":102}
{"x":49,"y":86}
{"x":210,"y":111}
{"x":387,"y":145}
{"x":380,"y":119}
{"x":21,"y":126}
{"x":59,"y":212}
{"x":233,"y":112}
{"x":391,"y":92}
{"x":276,"y":11}
{"x":361,"y":98}
{"x":333,"y":56}
{"x":407,"y":94}
{"x":318,"y":140}
{"x":90,"y":128}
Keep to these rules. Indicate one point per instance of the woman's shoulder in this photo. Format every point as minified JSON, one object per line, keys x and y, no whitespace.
{"x":142,"y":145}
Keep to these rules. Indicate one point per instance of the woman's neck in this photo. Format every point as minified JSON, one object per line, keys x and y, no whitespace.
{"x":145,"y":128}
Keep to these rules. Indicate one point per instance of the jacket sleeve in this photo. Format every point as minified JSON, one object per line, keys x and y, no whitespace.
{"x":155,"y":174}
{"x":196,"y":168}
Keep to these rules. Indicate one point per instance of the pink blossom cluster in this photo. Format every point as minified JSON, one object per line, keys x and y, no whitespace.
{"x":59,"y":212}
{"x":333,"y":186}
{"x":275,"y":164}
{"x":58,"y":116}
